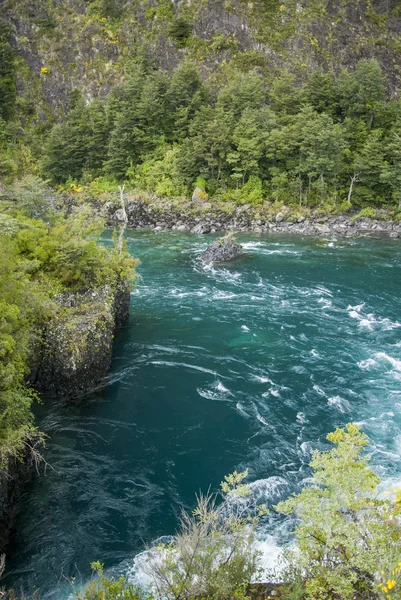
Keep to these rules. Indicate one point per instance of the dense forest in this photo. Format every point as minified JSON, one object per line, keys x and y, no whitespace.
{"x":242,"y":129}
{"x":284,"y":102}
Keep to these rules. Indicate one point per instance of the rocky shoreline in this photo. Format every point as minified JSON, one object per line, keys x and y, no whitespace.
{"x":70,"y":359}
{"x":204,"y":218}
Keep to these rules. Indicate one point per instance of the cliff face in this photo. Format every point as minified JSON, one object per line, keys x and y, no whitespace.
{"x":77,"y":344}
{"x":62,"y":46}
{"x":72,"y":359}
{"x":11,"y":482}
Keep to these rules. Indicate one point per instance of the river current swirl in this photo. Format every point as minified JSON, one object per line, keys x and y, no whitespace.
{"x":249,"y":364}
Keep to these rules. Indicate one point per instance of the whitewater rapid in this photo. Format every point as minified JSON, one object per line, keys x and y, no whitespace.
{"x":224,"y":367}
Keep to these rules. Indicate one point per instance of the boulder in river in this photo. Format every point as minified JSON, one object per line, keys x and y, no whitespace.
{"x":221,"y":250}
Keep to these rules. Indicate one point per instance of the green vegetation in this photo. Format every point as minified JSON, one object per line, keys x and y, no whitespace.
{"x":252,"y":138}
{"x":42,"y":254}
{"x":253,"y":132}
{"x":348,"y":539}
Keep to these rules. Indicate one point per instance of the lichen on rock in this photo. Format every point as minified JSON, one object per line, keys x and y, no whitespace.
{"x":78,"y":341}
{"x":222,"y":250}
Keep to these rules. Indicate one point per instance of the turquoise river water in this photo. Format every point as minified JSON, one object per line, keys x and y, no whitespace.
{"x":249,"y":364}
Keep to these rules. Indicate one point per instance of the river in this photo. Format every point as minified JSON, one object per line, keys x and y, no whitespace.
{"x":249,"y":364}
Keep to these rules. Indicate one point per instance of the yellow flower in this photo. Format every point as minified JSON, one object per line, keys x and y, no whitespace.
{"x":282,"y":7}
{"x":44,"y":71}
{"x":391,"y":583}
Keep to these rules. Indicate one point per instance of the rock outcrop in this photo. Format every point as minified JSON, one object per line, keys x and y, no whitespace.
{"x":12,"y":479}
{"x":222,"y":250}
{"x":78,"y":341}
{"x":162,"y":215}
{"x":199,"y":196}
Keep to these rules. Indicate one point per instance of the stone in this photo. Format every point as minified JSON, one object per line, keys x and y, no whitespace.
{"x":200,"y":229}
{"x":322,"y":229}
{"x":279,"y":217}
{"x":199,"y":196}
{"x":78,"y":341}
{"x":222,"y":250}
{"x":118,"y":215}
{"x":157,"y":229}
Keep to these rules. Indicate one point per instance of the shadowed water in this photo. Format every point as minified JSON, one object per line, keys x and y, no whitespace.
{"x":220,"y":368}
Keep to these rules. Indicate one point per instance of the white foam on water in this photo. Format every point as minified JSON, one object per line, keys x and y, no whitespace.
{"x":251,"y":245}
{"x":365,"y":365}
{"x":165,"y":363}
{"x":216,"y":391}
{"x":262,"y":379}
{"x":315,"y":353}
{"x":356,"y":308}
{"x":221,"y":388}
{"x":270,"y":553}
{"x":340,"y":403}
{"x":261,"y":419}
{"x":306,"y":448}
{"x":245,"y":328}
{"x":325,"y":302}
{"x":220,"y":295}
{"x":241,"y":410}
{"x":369,"y":321}
{"x":395,"y":363}
{"x":299,"y":369}
{"x":301,"y":418}
{"x":319,"y":390}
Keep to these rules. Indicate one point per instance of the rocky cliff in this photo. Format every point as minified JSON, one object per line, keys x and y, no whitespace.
{"x":78,"y":341}
{"x":71,"y":360}
{"x":222,"y":217}
{"x":89,"y":45}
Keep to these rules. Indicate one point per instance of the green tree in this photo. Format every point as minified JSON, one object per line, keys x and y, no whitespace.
{"x":213,"y":555}
{"x":321,"y":93}
{"x":362,"y":92}
{"x":346,"y":534}
{"x":284,"y":94}
{"x":8,"y":90}
{"x":244,"y":90}
{"x":322,"y":146}
{"x":391,"y":170}
{"x":249,"y":138}
{"x":185,"y":96}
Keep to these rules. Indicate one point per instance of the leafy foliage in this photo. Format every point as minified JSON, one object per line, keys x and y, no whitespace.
{"x":347,"y":535}
{"x":213,"y":555}
{"x":328,"y":141}
{"x":38,"y":260}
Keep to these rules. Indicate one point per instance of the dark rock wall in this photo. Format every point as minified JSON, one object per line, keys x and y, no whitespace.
{"x":78,"y":343}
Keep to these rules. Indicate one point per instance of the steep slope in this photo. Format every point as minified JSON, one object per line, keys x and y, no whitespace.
{"x":61,"y":46}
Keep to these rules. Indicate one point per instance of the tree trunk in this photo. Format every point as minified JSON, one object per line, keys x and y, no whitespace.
{"x":351,"y":187}
{"x":125,"y":221}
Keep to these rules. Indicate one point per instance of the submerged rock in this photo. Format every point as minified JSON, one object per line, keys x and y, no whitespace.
{"x":222,"y":250}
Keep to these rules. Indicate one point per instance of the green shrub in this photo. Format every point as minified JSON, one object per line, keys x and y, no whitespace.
{"x":180,"y":31}
{"x":347,"y":536}
{"x":213,"y":555}
{"x":103,"y":588}
{"x":368,"y":212}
